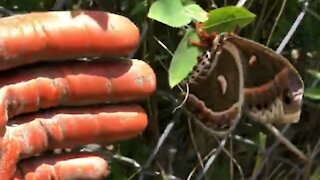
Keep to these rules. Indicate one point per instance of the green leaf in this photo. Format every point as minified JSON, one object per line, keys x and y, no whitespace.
{"x":169,"y":12}
{"x":314,"y":73}
{"x":226,"y":19}
{"x":184,"y":58}
{"x":262,"y":139}
{"x":312,"y":93}
{"x":195,"y":12}
{"x":140,"y":7}
{"x":316,"y":174}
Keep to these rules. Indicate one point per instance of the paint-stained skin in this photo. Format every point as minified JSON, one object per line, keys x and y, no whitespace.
{"x":59,"y":90}
{"x":70,"y":84}
{"x":61,"y":35}
{"x":67,"y":87}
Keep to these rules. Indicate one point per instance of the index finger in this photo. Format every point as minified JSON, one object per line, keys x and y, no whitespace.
{"x":45,"y":36}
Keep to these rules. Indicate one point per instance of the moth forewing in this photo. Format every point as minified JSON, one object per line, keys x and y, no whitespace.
{"x":216,"y":86}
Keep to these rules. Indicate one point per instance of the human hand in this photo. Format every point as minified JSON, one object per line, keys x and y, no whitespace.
{"x":52,"y":99}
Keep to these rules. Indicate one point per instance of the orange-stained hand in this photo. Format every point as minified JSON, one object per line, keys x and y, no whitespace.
{"x":50,"y":98}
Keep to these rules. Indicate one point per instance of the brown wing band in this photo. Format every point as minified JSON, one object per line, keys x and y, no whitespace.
{"x":197,"y":81}
{"x":267,"y":93}
{"x":208,"y":117}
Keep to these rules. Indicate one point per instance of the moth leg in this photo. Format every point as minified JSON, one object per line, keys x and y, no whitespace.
{"x":206,"y":37}
{"x":199,"y":44}
{"x":200,"y":32}
{"x":203,"y":35}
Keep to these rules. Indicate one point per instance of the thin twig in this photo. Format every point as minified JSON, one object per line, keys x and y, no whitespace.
{"x":58,"y":5}
{"x":194,"y":144}
{"x":314,"y":14}
{"x":285,"y":141}
{"x":259,"y":21}
{"x":274,"y":170}
{"x":142,"y":38}
{"x":163,"y":137}
{"x":205,"y":158}
{"x":163,"y":45}
{"x":5,"y":12}
{"x":276,"y":22}
{"x":313,"y":155}
{"x":219,"y":149}
{"x":184,"y":99}
{"x":235,"y":162}
{"x":212,"y":158}
{"x":127,"y":160}
{"x":96,"y":148}
{"x":154,"y":152}
{"x":265,"y":159}
{"x":293,"y":28}
{"x":150,"y":43}
{"x":248,"y":142}
{"x":294,"y":165}
{"x":250,"y":4}
{"x":269,"y":13}
{"x":241,"y":3}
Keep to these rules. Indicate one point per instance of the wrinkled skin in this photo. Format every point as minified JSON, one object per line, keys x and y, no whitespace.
{"x":49,"y":105}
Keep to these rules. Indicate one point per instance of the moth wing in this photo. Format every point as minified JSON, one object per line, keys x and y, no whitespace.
{"x":216,"y":85}
{"x":273,"y":87}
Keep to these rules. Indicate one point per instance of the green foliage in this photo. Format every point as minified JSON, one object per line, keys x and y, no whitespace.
{"x":169,"y":12}
{"x":139,"y":8}
{"x":220,"y":20}
{"x":262,"y":138}
{"x":195,"y":12}
{"x":314,"y":73}
{"x":184,"y":58}
{"x":316,"y":174}
{"x":173,"y":13}
{"x":313,"y":93}
{"x":116,"y":171}
{"x":228,"y":18}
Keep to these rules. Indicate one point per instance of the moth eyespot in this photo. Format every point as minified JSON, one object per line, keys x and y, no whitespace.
{"x":286,"y":97}
{"x":223,"y":84}
{"x":259,"y":107}
{"x":265,"y":105}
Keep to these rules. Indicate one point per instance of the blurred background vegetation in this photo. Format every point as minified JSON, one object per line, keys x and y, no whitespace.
{"x":252,"y":152}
